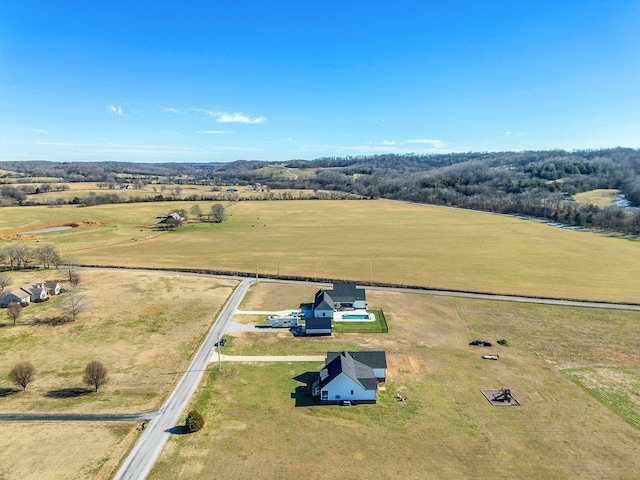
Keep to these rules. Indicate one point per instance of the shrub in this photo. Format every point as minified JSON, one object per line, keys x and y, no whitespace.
{"x":194,"y":421}
{"x":504,"y":343}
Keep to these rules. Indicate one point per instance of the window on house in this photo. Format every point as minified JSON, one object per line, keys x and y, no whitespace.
{"x":324,"y":395}
{"x":351,"y":392}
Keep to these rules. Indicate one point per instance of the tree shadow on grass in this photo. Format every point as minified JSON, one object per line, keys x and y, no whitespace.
{"x":51,"y":322}
{"x":178,"y":430}
{"x":68,"y":393}
{"x":6,"y":392}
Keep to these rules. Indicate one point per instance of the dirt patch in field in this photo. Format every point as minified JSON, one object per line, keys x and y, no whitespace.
{"x":404,"y":364}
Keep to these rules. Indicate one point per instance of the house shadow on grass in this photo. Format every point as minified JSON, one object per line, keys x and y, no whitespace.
{"x":302,"y":394}
{"x":6,"y":392}
{"x":68,"y":393}
{"x":178,"y":430}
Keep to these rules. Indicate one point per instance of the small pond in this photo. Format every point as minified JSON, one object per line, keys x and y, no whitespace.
{"x":47,"y":230}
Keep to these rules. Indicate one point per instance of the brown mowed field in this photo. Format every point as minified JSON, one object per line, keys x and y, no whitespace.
{"x":54,"y":450}
{"x":445,"y":429}
{"x":377,"y":240}
{"x":143,"y":326}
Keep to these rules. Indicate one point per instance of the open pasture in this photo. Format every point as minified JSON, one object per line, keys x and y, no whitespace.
{"x":446,"y":428}
{"x":144,"y":327}
{"x":83,"y":190}
{"x":600,"y":197}
{"x":356,"y":240}
{"x":53,"y":450}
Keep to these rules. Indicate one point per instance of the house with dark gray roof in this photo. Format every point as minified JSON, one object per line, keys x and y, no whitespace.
{"x":346,"y":379}
{"x":376,"y":359}
{"x":343,"y":296}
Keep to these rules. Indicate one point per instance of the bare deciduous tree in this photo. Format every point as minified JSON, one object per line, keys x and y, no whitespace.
{"x":196,"y":211}
{"x":22,"y":374}
{"x":75,"y":303}
{"x":14,"y":310}
{"x":5,"y":281}
{"x":217,"y":213}
{"x":95,"y":374}
{"x":69,"y":265}
{"x":47,"y":255}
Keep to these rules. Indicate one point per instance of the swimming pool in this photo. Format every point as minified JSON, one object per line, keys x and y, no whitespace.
{"x":348,"y":316}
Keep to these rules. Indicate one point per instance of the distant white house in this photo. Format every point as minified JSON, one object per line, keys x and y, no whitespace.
{"x":344,"y":378}
{"x":37,"y":291}
{"x":343,"y":296}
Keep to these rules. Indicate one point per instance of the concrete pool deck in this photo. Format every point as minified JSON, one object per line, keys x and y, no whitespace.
{"x":339,"y":316}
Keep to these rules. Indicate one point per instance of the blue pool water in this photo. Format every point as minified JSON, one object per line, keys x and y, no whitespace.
{"x":355,"y":317}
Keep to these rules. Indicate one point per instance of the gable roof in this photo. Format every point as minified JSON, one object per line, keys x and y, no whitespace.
{"x":318,"y":322}
{"x":372,"y":358}
{"x":347,"y":292}
{"x":341,"y":293}
{"x":358,"y":372}
{"x":322,"y":301}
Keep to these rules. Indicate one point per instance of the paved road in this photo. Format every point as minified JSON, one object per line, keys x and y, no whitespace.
{"x":419,"y":291}
{"x":269,"y":358}
{"x":146,"y":451}
{"x":79,"y":417}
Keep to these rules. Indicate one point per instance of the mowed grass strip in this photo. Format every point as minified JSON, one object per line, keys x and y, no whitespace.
{"x":357,"y":240}
{"x":143,"y":326}
{"x":616,"y":388}
{"x":446,"y":428}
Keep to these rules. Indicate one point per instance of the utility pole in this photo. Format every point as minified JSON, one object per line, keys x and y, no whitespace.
{"x":219,"y":354}
{"x":278,"y":266}
{"x":371,"y":273}
{"x":256,"y":273}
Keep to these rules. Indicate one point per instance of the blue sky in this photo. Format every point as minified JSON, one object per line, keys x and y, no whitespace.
{"x":276,"y":80}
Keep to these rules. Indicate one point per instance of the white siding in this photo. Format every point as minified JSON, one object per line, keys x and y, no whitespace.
{"x":341,"y":389}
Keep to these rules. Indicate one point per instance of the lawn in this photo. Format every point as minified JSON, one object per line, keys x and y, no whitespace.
{"x":446,"y":428}
{"x":378,"y":240}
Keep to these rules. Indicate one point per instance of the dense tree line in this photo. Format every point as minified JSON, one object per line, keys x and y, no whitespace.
{"x":533,"y":183}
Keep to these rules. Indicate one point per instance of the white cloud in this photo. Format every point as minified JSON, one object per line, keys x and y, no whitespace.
{"x":389,"y":142}
{"x":40,"y":130}
{"x":508,"y":133}
{"x":236,"y":117}
{"x":173,"y":110}
{"x":114,"y":110}
{"x":214,"y":132}
{"x":429,"y":141}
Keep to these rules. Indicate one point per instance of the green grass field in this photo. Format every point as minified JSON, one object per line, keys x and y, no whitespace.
{"x":446,"y":428}
{"x":377,"y":240}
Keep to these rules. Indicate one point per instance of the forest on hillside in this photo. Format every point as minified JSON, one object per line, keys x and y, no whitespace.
{"x":539,"y":184}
